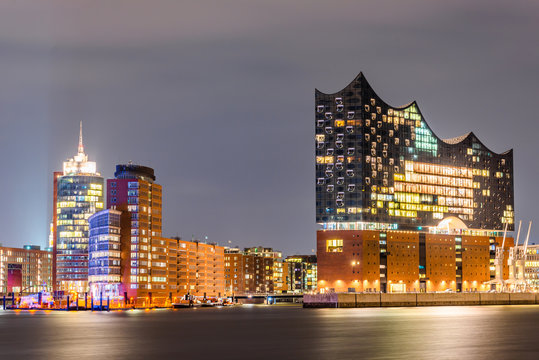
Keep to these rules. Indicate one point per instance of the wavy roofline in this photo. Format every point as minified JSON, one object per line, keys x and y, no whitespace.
{"x":454,"y":141}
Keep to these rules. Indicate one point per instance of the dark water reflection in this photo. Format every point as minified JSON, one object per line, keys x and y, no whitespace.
{"x":260,"y":332}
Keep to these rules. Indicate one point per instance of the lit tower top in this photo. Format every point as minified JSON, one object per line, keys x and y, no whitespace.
{"x":79,"y":164}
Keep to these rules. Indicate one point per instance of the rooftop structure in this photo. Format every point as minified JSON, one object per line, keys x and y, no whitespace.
{"x":79,"y":164}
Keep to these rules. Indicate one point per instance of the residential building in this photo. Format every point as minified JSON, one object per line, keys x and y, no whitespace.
{"x":201,"y":269}
{"x":25,"y":270}
{"x":281,"y":277}
{"x":145,"y":265}
{"x":399,"y":208}
{"x":251,"y":271}
{"x":79,"y":194}
{"x":131,"y":261}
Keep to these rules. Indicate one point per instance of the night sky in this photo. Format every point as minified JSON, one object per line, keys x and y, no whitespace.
{"x":218,"y":97}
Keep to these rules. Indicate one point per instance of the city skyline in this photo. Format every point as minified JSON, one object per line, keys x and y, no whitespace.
{"x":175,"y":99}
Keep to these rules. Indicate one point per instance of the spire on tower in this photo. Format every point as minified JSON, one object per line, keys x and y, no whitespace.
{"x":81,"y":147}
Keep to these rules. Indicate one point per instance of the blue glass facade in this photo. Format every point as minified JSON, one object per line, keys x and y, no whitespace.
{"x":104,"y":270}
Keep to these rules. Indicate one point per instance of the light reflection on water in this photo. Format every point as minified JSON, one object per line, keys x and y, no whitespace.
{"x":257,"y":332}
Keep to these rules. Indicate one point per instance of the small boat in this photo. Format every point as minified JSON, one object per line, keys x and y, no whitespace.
{"x":212,"y":302}
{"x":186,"y":304}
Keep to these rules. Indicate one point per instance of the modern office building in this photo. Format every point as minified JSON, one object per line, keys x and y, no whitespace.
{"x":396,"y":204}
{"x":104,"y":253}
{"x":26,"y":270}
{"x":78,"y":195}
{"x":302,"y":273}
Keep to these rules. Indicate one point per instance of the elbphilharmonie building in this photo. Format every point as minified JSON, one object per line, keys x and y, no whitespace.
{"x":399,"y":208}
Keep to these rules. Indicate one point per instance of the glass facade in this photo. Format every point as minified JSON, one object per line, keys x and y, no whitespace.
{"x":382,"y":167}
{"x":303,"y":273}
{"x":78,"y":197}
{"x":104,"y":275}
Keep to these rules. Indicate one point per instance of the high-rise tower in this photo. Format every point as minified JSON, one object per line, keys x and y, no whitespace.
{"x":79,"y":194}
{"x":134,"y":192}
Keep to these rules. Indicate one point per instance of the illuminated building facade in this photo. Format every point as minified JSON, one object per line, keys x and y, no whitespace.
{"x":104,"y":265}
{"x":531,"y":268}
{"x":79,"y":194}
{"x":281,"y":278}
{"x":130,"y":260}
{"x":382,"y":167}
{"x":53,"y":236}
{"x":253,"y":271}
{"x":145,"y":258}
{"x":201,"y":269}
{"x":26,"y":270}
{"x":399,"y":205}
{"x":404,"y":261}
{"x":302,"y":273}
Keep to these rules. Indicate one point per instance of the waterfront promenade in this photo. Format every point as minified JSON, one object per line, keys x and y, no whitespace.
{"x":350,"y":300}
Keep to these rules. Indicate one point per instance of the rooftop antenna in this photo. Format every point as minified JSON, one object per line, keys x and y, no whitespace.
{"x":81,"y":146}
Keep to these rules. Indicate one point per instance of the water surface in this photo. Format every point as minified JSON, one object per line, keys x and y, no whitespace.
{"x":275,"y":332}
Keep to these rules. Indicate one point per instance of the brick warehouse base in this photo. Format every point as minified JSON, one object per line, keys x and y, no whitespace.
{"x":405,"y":261}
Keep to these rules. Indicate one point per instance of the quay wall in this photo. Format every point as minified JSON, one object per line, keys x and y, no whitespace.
{"x":357,"y":300}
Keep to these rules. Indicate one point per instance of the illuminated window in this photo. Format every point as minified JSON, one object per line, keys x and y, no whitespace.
{"x":335,"y":245}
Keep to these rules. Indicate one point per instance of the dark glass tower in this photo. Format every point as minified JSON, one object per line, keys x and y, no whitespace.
{"x":382,"y":167}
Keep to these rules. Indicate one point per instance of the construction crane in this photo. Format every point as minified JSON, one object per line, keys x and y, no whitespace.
{"x":498,"y":262}
{"x":511,"y":261}
{"x":517,"y":265}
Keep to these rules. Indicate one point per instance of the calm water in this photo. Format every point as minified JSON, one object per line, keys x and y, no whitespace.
{"x":276,"y":332}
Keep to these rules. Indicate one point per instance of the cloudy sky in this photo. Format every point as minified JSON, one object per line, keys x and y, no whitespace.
{"x":218,"y":97}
